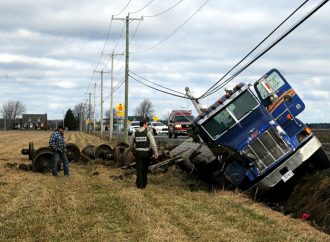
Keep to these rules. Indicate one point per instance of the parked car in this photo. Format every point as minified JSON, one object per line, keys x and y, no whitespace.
{"x":135,"y":125}
{"x":158,"y":128}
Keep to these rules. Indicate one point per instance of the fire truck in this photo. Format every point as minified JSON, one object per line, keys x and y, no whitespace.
{"x":254,"y":132}
{"x":179,"y":122}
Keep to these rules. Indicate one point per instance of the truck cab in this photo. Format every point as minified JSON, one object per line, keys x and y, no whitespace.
{"x":255,"y":133}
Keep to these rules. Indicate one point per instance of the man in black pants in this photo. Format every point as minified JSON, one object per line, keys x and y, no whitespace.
{"x":144,"y":143}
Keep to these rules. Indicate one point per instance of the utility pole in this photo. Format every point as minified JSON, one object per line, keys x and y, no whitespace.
{"x":127,"y":21}
{"x":89,"y":111}
{"x":94,"y":107}
{"x":101,"y":102}
{"x":111,"y":95}
{"x":81,"y":117}
{"x":102,"y":98}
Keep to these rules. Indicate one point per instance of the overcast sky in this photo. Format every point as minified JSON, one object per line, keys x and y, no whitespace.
{"x":49,"y":50}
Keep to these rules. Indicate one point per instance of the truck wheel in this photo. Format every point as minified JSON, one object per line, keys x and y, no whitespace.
{"x":320,"y":160}
{"x":175,"y":135}
{"x":169,"y":134}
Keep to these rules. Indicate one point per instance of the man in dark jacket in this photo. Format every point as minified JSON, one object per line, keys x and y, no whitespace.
{"x":144,"y":143}
{"x":57,"y":144}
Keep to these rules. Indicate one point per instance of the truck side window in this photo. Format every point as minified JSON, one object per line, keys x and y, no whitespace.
{"x":273,"y":82}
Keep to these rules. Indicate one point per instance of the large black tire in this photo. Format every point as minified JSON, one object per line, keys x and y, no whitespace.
{"x":42,"y":158}
{"x":320,"y":160}
{"x":175,"y":135}
{"x":31,"y":150}
{"x":72,"y":152}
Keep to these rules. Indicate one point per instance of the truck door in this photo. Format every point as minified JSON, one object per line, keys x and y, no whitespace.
{"x":277,"y":95}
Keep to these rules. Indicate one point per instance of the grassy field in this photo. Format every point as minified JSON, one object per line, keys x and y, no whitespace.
{"x":108,"y":207}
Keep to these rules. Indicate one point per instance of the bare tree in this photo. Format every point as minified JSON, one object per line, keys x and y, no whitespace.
{"x":12,"y":109}
{"x":166,"y":116}
{"x":82,"y":113}
{"x":107,"y":114}
{"x":79,"y":111}
{"x":145,"y":109}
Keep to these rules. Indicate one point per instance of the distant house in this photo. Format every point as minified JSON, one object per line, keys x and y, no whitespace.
{"x":34,"y":121}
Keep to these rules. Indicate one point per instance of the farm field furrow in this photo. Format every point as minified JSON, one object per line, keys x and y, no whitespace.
{"x":98,"y":203}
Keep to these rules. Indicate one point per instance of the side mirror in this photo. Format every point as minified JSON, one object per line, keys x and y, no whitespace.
{"x":287,"y":98}
{"x":273,"y":97}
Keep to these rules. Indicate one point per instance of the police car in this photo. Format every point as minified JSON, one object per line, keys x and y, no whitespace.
{"x":135,"y":125}
{"x":158,"y":128}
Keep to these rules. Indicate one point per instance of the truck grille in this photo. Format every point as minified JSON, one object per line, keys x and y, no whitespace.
{"x":266,"y":149}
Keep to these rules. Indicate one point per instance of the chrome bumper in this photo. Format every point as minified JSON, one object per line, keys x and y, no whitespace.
{"x":297,"y":159}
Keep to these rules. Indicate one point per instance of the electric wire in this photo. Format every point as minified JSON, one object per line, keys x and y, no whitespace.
{"x":105,"y":43}
{"x":156,"y":83}
{"x":107,"y":38}
{"x":119,"y":84}
{"x":121,"y":33}
{"x":171,"y":34}
{"x":142,"y":7}
{"x":136,"y":29}
{"x":184,"y":97}
{"x":260,"y":43}
{"x":150,"y":16}
{"x":123,"y":8}
{"x":292,"y":28}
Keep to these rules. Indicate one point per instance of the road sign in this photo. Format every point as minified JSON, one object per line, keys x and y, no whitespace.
{"x":120,"y":113}
{"x":120,"y":107}
{"x":155,"y":118}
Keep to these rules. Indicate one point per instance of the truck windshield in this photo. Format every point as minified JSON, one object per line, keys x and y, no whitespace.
{"x":230,"y":115}
{"x":184,"y":118}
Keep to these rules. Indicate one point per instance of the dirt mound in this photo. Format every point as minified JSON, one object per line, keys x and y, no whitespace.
{"x":310,"y":200}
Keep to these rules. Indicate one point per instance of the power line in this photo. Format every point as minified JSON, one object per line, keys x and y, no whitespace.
{"x":121,"y":33}
{"x":137,"y":27}
{"x":260,"y":43}
{"x":158,"y":89}
{"x":292,"y":28}
{"x":156,"y":83}
{"x":150,"y":16}
{"x":166,"y":38}
{"x":105,"y":43}
{"x":119,"y":84}
{"x":143,"y":7}
{"x":123,"y":8}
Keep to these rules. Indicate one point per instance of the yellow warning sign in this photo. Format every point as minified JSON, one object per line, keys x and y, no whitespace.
{"x":120,"y":107}
{"x":120,"y":113}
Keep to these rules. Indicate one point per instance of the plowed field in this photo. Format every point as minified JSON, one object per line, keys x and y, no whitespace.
{"x":98,"y":203}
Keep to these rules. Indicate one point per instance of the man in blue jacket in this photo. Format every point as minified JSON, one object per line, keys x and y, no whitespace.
{"x":57,"y":144}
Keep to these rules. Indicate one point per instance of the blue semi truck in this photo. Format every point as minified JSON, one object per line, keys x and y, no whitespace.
{"x":254,"y":132}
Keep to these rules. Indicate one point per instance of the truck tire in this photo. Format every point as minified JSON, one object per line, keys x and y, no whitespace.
{"x":175,"y":135}
{"x":320,"y":160}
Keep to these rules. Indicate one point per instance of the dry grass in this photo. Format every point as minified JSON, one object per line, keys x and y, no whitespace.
{"x":83,"y":207}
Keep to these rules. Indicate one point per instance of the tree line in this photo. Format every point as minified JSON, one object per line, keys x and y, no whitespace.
{"x":76,"y":118}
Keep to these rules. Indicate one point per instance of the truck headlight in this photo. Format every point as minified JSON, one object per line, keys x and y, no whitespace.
{"x":178,"y":126}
